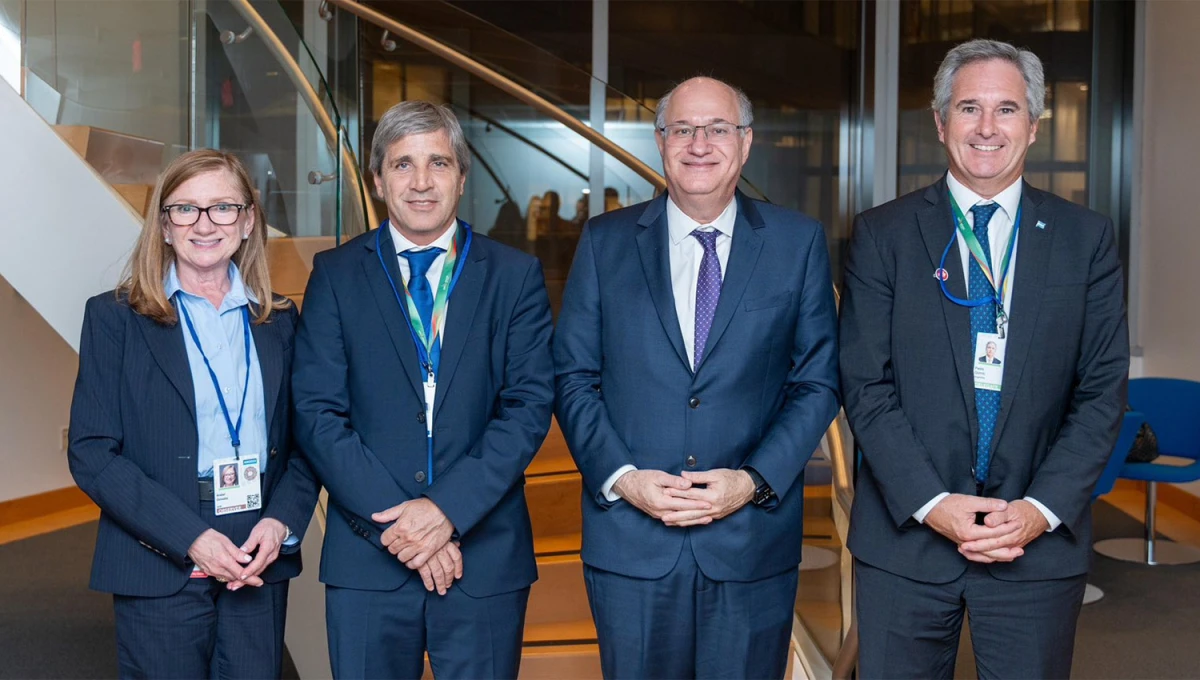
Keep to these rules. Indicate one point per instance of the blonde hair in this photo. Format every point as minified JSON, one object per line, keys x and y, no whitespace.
{"x":142,"y":282}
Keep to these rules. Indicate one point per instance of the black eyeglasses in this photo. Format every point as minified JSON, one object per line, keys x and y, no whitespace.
{"x":185,"y":215}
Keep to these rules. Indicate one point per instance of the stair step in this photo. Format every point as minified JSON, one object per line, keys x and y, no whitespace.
{"x":136,"y":195}
{"x":554,"y":504}
{"x":554,"y":456}
{"x":554,"y":662}
{"x":557,"y":544}
{"x":118,"y":158}
{"x":581,"y":631}
{"x":290,"y":262}
{"x":559,"y":595}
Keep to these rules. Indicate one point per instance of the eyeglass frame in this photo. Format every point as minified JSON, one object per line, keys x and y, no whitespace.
{"x":663,"y":130}
{"x":166,"y":210}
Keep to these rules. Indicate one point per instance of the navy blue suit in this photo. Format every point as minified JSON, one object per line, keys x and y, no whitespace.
{"x":133,"y":446}
{"x":360,"y":419}
{"x":763,"y":397}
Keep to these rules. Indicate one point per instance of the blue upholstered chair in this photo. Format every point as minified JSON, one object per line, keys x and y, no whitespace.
{"x":1108,"y":478}
{"x":1172,"y":408}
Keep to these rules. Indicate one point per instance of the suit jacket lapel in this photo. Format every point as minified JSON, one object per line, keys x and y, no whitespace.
{"x":652,"y":247}
{"x":460,"y":313}
{"x":937,"y":228}
{"x":167,"y":348}
{"x":270,"y":362}
{"x":394,"y":314}
{"x":743,"y":256}
{"x":1029,"y":275}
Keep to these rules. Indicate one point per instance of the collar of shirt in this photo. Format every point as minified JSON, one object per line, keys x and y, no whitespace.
{"x":680,"y":226}
{"x":237,"y":296}
{"x":443,"y":241}
{"x":1009,"y":199}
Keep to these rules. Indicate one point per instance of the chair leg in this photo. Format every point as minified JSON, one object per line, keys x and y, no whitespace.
{"x":1151,"y":524}
{"x":1148,"y":549}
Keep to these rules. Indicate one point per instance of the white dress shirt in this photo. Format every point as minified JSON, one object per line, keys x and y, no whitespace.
{"x":1000,"y":229}
{"x":685,"y":253}
{"x":434,"y":275}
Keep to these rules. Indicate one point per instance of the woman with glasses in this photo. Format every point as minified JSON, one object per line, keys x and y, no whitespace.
{"x":183,"y":370}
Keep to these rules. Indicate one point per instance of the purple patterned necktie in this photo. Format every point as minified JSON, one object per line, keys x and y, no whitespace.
{"x":708,"y":291}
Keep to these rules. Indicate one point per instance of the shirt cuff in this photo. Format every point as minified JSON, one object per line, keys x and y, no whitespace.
{"x":925,"y":509}
{"x":291,"y":540}
{"x":1051,"y":518}
{"x":607,"y":490}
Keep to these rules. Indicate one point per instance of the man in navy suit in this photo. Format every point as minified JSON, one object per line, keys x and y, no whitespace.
{"x":696,"y":362}
{"x":974,"y":495}
{"x":423,"y":387}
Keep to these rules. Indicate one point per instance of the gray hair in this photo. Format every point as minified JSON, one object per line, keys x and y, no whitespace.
{"x":985,"y":50}
{"x":745,"y":108}
{"x":415,"y":118}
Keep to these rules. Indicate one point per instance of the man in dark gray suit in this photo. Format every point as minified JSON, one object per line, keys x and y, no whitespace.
{"x":975,"y":484}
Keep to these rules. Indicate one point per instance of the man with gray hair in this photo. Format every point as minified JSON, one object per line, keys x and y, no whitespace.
{"x":974,"y":491}
{"x":696,"y":360}
{"x":423,"y":386}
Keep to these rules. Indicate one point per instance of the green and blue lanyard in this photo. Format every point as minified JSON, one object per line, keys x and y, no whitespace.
{"x":963,"y":228}
{"x":234,"y":428}
{"x":426,"y":339}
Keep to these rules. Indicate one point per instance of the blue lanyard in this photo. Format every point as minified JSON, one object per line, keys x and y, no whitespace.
{"x":234,"y":429}
{"x":994,"y":298}
{"x":422,"y":354}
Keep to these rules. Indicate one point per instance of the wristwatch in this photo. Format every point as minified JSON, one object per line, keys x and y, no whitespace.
{"x":287,"y":533}
{"x":763,"y":493}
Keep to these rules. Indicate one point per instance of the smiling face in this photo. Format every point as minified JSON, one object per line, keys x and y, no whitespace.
{"x":204,"y":247}
{"x":421,"y":184}
{"x":228,"y":475}
{"x":701,"y":173}
{"x":987,"y":131}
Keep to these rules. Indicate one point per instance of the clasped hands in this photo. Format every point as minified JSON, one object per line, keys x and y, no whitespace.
{"x":420,"y":538}
{"x":1007,"y":528}
{"x":690,"y":499}
{"x":218,"y":557}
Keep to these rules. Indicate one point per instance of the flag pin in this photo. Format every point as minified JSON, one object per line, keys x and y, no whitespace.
{"x":1040,"y":225}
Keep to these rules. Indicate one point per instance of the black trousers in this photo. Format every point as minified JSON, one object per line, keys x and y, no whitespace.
{"x":686,"y":625}
{"x":1019,"y":629}
{"x":204,"y":630}
{"x":385,"y":634}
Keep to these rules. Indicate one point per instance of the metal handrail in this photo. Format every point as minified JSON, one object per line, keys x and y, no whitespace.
{"x":506,"y":84}
{"x":294,"y":73}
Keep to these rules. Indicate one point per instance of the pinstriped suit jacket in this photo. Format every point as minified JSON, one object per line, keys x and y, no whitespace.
{"x":133,"y":445}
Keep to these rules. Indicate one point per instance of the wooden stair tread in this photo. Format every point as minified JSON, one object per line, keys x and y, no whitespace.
{"x":581,"y":631}
{"x":557,"y":661}
{"x":557,"y":544}
{"x":554,"y":456}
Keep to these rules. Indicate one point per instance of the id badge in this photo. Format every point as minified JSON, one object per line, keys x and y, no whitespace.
{"x":989,"y":361}
{"x":237,"y":485}
{"x":430,"y":386}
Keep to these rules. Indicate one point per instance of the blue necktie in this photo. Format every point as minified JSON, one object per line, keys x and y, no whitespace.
{"x":983,"y":320}
{"x":708,"y":291}
{"x":419,"y":262}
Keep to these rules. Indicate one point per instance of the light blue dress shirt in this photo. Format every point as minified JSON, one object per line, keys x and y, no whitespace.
{"x":222,"y":335}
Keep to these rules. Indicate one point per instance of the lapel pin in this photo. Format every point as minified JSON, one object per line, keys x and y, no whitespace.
{"x":1040,"y":225}
{"x":941,"y":274}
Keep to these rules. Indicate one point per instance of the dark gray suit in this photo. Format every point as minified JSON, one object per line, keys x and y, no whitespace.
{"x":907,"y":364}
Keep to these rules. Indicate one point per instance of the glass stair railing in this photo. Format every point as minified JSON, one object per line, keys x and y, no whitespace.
{"x":132,"y":85}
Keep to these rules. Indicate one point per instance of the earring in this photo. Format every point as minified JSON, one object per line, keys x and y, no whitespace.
{"x":245,"y":236}
{"x":168,"y":241}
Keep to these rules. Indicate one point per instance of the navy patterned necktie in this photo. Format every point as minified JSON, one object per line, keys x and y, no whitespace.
{"x":419,"y":262}
{"x":708,"y":291}
{"x":983,"y":320}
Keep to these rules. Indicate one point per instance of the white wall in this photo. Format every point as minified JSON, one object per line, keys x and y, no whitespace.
{"x":37,"y":374}
{"x":1170,"y":232}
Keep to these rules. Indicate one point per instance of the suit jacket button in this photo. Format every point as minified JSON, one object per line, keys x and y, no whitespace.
{"x":421,"y":417}
{"x":274,"y":452}
{"x":693,"y":402}
{"x":420,"y":476}
{"x":691,"y":461}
